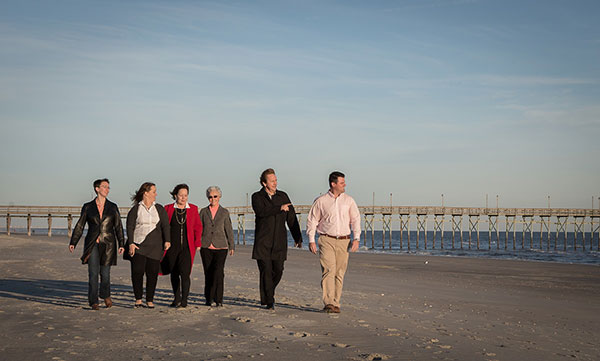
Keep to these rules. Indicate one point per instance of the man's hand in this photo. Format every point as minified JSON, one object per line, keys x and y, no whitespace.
{"x":298,"y":244}
{"x":285,"y":207}
{"x":355,"y":245}
{"x":121,"y":250}
{"x":167,"y":246}
{"x":312,"y":246}
{"x":132,"y":248}
{"x":71,"y":248}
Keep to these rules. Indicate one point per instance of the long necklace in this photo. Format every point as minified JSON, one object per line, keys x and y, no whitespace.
{"x":181,"y":218}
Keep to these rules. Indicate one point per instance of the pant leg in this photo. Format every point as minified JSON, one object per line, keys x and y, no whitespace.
{"x":175,"y":283}
{"x":277,"y":267}
{"x":138,"y":266}
{"x":265,"y":270}
{"x":152,"y":268}
{"x":206,"y":256}
{"x":328,"y":266}
{"x":185,"y":268}
{"x":105,"y":282}
{"x":219,"y":273}
{"x":341,"y":263}
{"x":93,"y":271}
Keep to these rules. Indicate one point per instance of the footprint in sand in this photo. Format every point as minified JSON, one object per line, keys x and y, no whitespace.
{"x":243,"y":319}
{"x":340,"y":345}
{"x":374,"y":356}
{"x":300,"y":334}
{"x":278,"y":326}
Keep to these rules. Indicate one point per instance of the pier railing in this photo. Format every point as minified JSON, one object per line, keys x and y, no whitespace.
{"x":550,"y":224}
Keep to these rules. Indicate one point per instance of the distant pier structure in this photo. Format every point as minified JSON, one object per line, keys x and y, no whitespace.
{"x":506,"y":228}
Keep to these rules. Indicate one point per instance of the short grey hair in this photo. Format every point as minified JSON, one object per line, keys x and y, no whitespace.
{"x":213,"y":188}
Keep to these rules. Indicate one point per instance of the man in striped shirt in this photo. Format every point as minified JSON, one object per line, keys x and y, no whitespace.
{"x":333,"y":216}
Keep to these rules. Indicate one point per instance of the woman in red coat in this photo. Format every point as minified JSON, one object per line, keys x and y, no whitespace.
{"x":186,"y":232}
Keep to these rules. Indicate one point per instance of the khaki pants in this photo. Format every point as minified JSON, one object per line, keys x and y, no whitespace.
{"x":333,"y":254}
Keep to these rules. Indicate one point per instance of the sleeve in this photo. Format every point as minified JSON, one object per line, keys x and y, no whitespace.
{"x":78,"y":230}
{"x":119,"y":228}
{"x":314,"y":215}
{"x":229,"y":232}
{"x":197,"y":230}
{"x":262,"y":209}
{"x":164,"y":225}
{"x":294,"y":225}
{"x":130,"y":224}
{"x":355,"y":221}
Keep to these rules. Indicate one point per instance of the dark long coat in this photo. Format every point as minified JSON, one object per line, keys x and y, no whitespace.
{"x":109,"y":229}
{"x":270,"y":234}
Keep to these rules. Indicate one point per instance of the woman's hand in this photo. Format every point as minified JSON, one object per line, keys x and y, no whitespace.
{"x":71,"y":248}
{"x":132,"y":248}
{"x":231,"y":252}
{"x":121,"y":250}
{"x":167,"y":246}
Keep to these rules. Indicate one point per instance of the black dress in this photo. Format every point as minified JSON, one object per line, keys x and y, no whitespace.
{"x":177,"y":261}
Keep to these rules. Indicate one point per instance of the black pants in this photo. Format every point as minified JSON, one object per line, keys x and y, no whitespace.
{"x":213,"y":262}
{"x":180,"y":276}
{"x":270,"y":275}
{"x":141,"y":264}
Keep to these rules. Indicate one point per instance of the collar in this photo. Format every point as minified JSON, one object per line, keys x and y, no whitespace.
{"x":143,"y":205}
{"x":187,"y":205}
{"x":330,"y":193}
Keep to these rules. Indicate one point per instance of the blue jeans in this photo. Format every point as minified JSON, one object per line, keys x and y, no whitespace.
{"x":94,"y":268}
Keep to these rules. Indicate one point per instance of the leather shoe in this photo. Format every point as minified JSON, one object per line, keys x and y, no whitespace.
{"x":108,"y":302}
{"x":95,"y":307}
{"x":329,"y":308}
{"x":336,"y":309}
{"x":270,"y":306}
{"x":175,"y":304}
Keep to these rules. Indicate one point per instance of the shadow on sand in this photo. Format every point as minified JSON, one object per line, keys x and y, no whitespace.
{"x":73,"y":294}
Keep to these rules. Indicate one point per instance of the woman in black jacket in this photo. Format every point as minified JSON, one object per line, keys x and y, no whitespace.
{"x":105,"y":230}
{"x":148,"y":237}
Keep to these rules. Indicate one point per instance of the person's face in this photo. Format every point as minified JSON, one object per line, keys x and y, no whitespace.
{"x":213,"y":198}
{"x":339,"y":186}
{"x":103,"y":189}
{"x":150,"y":195}
{"x":271,"y":183}
{"x":181,"y":197}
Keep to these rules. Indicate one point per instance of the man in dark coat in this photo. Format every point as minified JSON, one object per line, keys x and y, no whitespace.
{"x":272,"y":209}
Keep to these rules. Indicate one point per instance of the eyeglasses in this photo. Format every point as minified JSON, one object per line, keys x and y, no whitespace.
{"x":211,"y":197}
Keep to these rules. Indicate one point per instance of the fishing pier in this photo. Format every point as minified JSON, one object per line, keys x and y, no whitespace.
{"x":462,"y":227}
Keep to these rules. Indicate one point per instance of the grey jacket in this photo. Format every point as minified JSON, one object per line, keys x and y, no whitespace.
{"x":218,"y":231}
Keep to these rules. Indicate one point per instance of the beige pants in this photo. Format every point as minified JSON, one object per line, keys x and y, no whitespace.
{"x":333,"y":254}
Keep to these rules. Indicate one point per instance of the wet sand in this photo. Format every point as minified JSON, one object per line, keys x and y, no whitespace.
{"x":395,"y":307}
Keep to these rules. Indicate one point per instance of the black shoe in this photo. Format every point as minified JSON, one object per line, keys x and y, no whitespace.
{"x":270,"y":306}
{"x":183,"y":304}
{"x":207,"y":303}
{"x":219,"y":304}
{"x":175,"y":304}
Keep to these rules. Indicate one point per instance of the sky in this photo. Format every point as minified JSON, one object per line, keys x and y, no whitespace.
{"x":414,"y":98}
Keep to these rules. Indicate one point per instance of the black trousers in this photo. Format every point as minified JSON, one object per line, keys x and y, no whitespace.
{"x":213,"y":262}
{"x":270,"y":275}
{"x":141,"y":264}
{"x":180,"y":276}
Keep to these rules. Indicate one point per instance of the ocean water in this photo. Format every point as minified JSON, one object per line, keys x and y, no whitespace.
{"x":581,"y":250}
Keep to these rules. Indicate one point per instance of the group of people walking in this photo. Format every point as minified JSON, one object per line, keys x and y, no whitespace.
{"x":164,"y":240}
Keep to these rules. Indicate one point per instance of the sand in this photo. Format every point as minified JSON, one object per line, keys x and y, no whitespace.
{"x":394,"y":307}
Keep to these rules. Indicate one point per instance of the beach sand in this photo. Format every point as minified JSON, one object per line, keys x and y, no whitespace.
{"x":394,"y":307}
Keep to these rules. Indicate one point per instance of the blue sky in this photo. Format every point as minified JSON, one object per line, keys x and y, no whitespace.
{"x":414,"y":98}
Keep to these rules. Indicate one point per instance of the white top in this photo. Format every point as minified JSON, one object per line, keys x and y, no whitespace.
{"x":187,"y":205}
{"x":147,"y":219}
{"x":333,"y":216}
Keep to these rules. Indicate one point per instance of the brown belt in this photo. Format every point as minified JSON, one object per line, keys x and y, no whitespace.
{"x":340,"y":237}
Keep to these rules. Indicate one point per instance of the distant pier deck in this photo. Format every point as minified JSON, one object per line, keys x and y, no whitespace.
{"x":465,"y":224}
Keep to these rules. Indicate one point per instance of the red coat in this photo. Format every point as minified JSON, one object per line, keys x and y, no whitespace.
{"x":194,"y":227}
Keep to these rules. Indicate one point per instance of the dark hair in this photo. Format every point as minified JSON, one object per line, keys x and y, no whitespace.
{"x":178,"y":188}
{"x":97,"y":183}
{"x":139,"y":195}
{"x":264,"y":174}
{"x":333,"y":177}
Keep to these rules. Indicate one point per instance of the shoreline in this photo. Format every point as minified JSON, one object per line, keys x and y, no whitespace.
{"x":394,"y":306}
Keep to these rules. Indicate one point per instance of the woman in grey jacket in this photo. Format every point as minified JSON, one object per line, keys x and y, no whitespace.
{"x":217,"y":241}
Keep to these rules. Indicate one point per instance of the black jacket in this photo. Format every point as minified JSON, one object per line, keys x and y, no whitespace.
{"x":153,"y":245}
{"x":270,"y":235}
{"x":109,"y":229}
